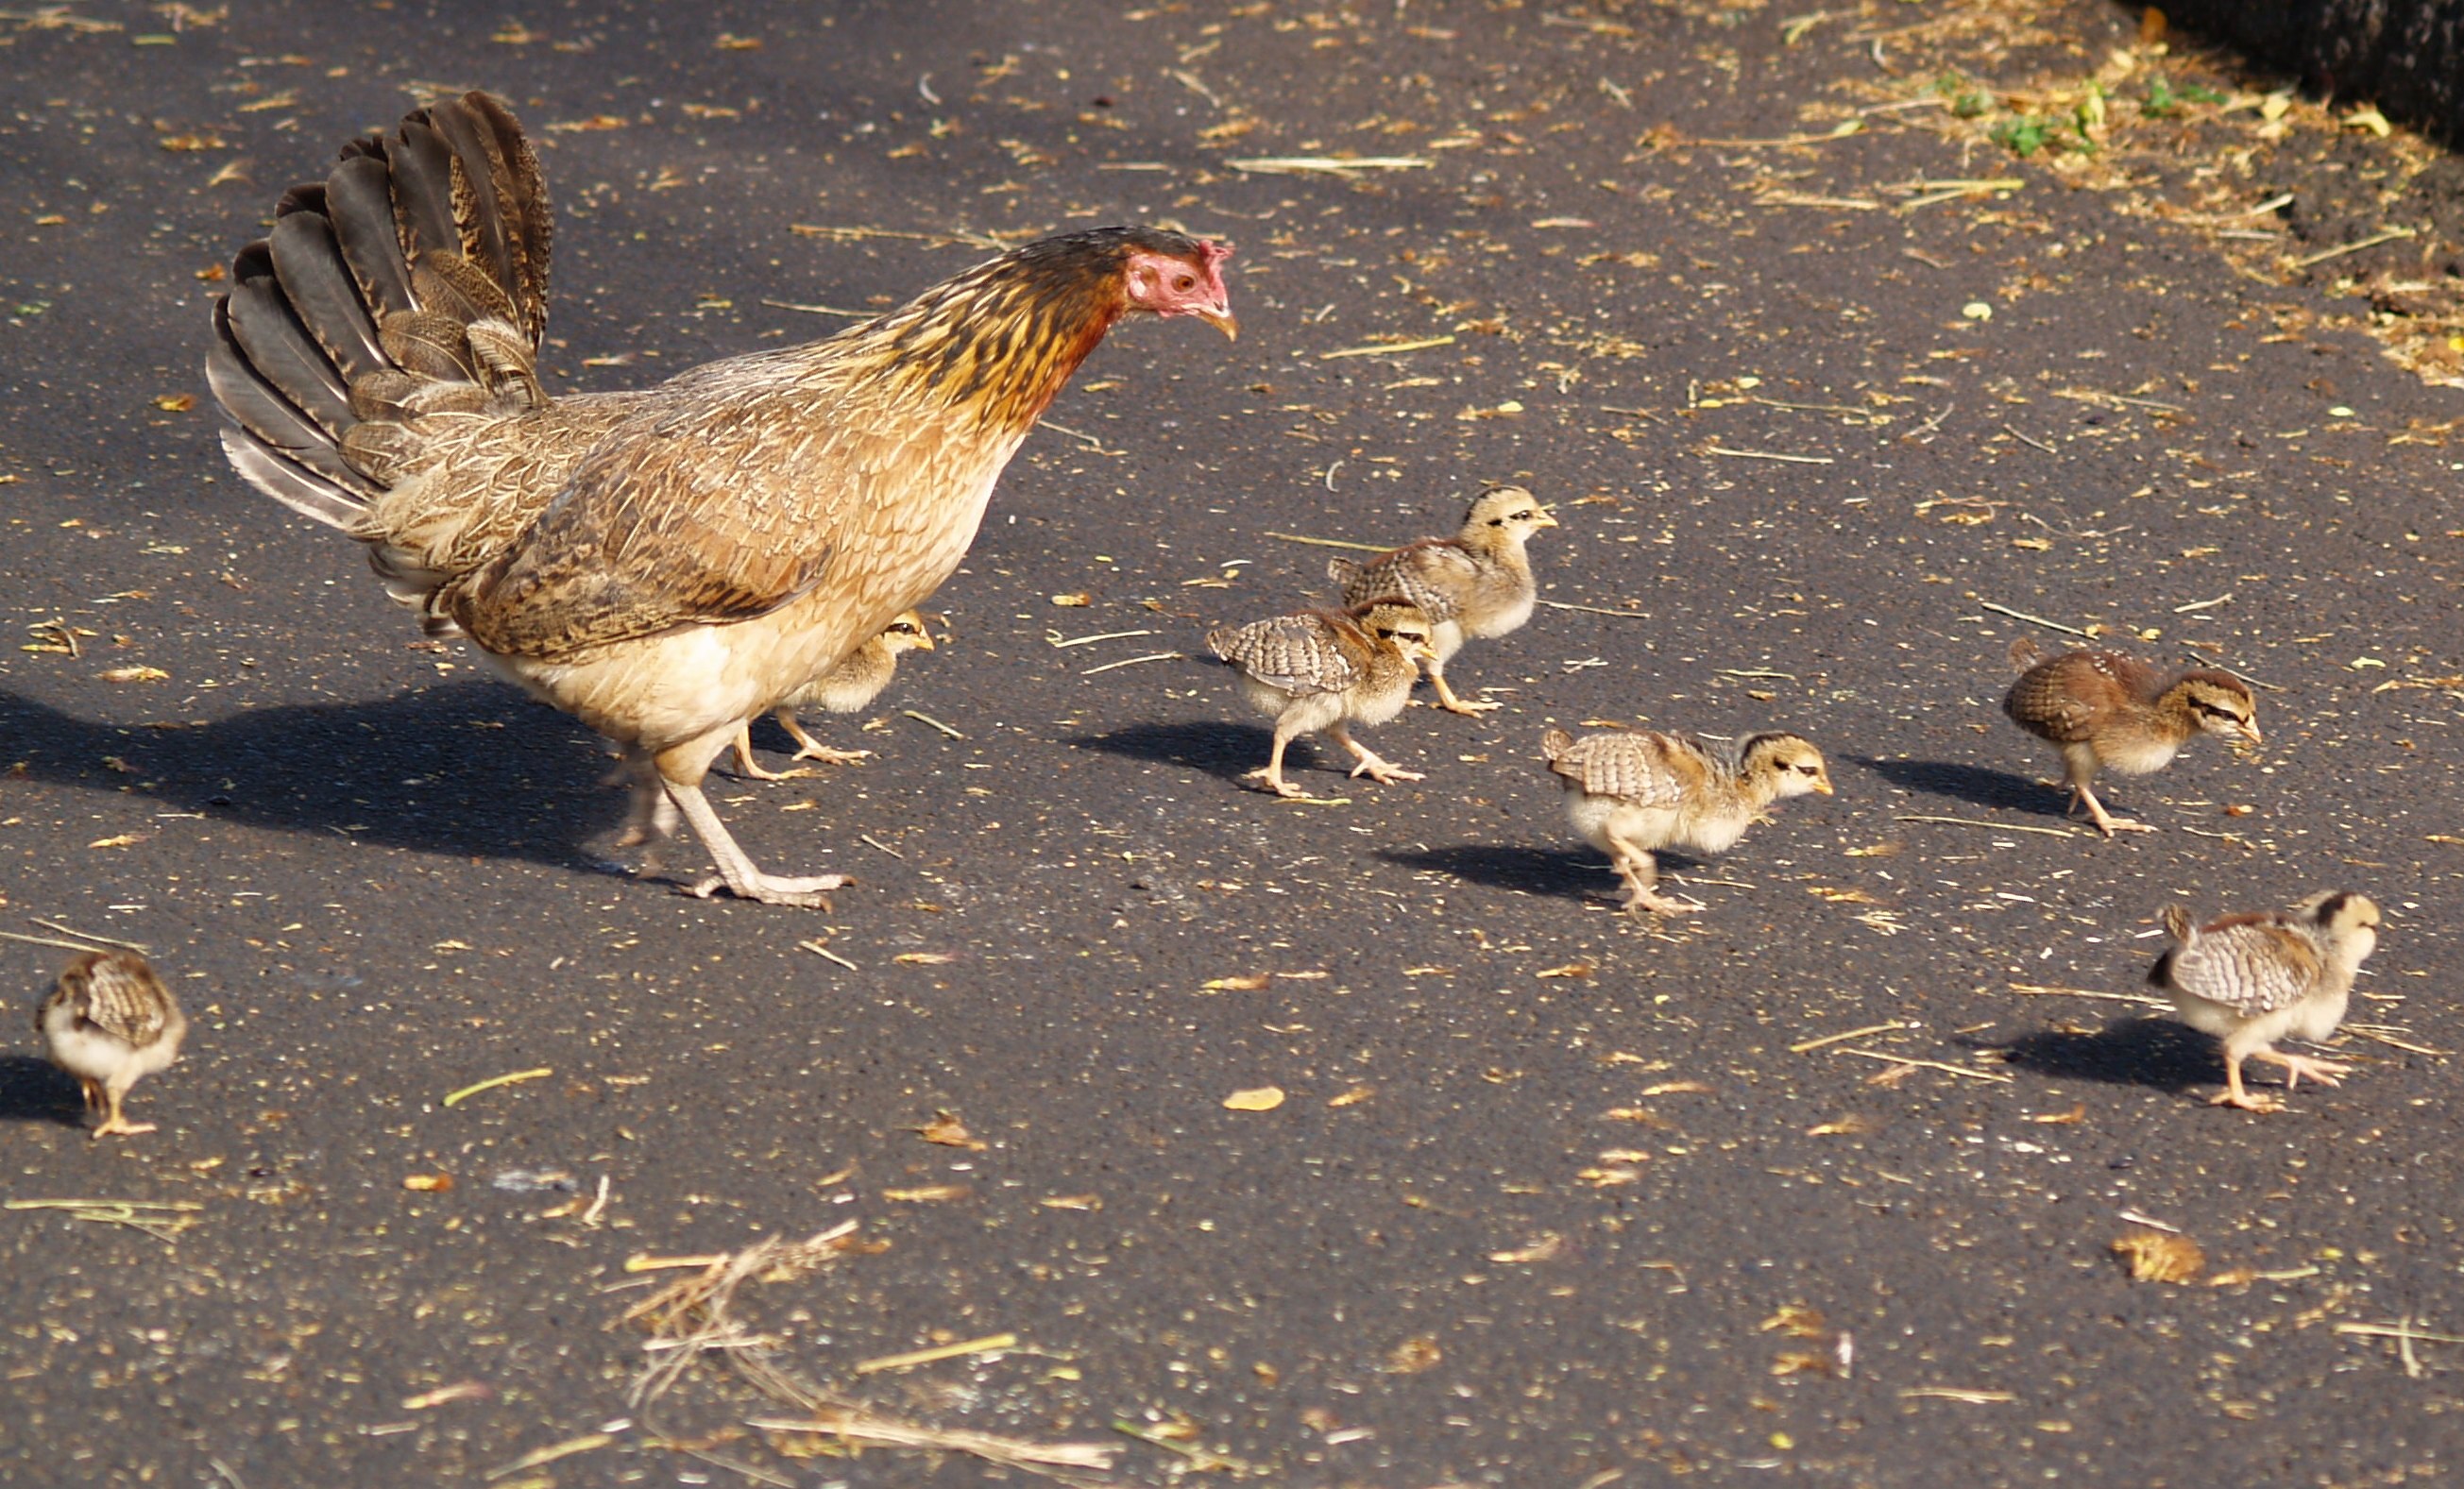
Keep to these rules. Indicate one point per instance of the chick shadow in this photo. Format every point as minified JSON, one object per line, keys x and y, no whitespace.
{"x":2156,"y":1053}
{"x":1977,"y":785}
{"x":37,"y":1090}
{"x":1558,"y":873}
{"x":499,"y":775}
{"x":1230,"y":751}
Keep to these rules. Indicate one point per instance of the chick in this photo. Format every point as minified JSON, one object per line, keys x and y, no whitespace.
{"x":110,"y":1023}
{"x":1317,"y":669}
{"x":2103,"y":709}
{"x":849,"y":688}
{"x":2251,"y":980}
{"x":1631,"y":793}
{"x":1477,"y":584}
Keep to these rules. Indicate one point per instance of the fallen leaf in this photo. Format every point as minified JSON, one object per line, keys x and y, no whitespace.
{"x":1846,"y":1125}
{"x":1248,"y":983}
{"x":2076,"y":1114}
{"x":1545,"y":1249}
{"x":1879,"y":850}
{"x":1797,"y":1319}
{"x":1262,"y":1098}
{"x":946,"y":1130}
{"x":121,"y":840}
{"x":134,"y":675}
{"x":427,"y":1183}
{"x":1570,"y":969}
{"x":1353,"y":1097}
{"x":1676,"y":1087}
{"x":1076,"y":601}
{"x":1414,"y":1355}
{"x":1838,"y":896}
{"x":2155,"y":1257}
{"x":924,"y":958}
{"x":1072,"y":1203}
{"x":1607,"y":1178}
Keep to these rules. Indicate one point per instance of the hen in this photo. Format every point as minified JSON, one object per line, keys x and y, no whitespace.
{"x":665,"y":564}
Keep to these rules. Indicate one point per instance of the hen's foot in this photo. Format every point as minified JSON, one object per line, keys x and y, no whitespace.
{"x":805,"y":893}
{"x":830,"y":757}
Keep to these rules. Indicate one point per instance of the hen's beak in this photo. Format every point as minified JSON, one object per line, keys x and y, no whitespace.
{"x":1222,"y":320}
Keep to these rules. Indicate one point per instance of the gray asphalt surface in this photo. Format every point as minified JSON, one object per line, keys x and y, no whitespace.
{"x":1551,"y":1198}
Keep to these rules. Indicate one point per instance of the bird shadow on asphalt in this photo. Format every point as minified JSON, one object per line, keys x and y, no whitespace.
{"x":1560,"y":873}
{"x":1230,"y":751}
{"x":1977,"y":785}
{"x":494,"y":776}
{"x":37,"y":1090}
{"x":2157,"y":1053}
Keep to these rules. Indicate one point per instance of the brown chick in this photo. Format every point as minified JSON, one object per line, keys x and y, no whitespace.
{"x":1630,"y":793}
{"x":111,"y":1022}
{"x":2104,"y":709}
{"x":2252,"y":979}
{"x":1318,"y":670}
{"x":849,"y":688}
{"x":666,"y":562}
{"x":1477,"y":584}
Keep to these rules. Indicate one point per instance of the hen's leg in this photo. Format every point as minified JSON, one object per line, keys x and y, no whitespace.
{"x":1370,"y":766}
{"x":652,"y":817}
{"x":681,"y":769}
{"x":809,"y":748}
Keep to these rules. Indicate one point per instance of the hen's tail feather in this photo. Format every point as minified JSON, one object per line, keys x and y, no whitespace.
{"x":411,"y":281}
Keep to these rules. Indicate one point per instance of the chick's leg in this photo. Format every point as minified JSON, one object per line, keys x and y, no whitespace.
{"x":2232,"y":1095}
{"x":1271,"y":774}
{"x":745,"y":764}
{"x":115,"y":1124}
{"x":1372,"y":765}
{"x":1641,"y":871}
{"x":681,"y":769}
{"x":1450,"y":700}
{"x":809,"y":748}
{"x":2326,"y":1072}
{"x":2078,"y":770}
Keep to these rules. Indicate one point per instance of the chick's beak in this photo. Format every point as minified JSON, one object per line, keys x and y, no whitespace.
{"x":1546,"y":520}
{"x":1822,"y":784}
{"x":1221,"y":318}
{"x":2249,"y":731}
{"x":923,"y":641}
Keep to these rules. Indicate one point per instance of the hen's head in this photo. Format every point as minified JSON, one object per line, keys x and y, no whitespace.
{"x":1170,"y":273}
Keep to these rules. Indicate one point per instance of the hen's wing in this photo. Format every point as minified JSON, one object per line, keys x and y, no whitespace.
{"x":2251,"y":968}
{"x":1301,"y":655}
{"x":719,"y":512}
{"x":1642,"y":769}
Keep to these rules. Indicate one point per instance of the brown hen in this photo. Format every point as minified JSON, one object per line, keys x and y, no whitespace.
{"x":665,"y":564}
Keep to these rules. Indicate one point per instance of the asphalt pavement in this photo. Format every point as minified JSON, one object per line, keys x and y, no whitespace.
{"x":1358,"y":1142}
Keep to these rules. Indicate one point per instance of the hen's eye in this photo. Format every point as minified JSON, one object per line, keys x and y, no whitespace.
{"x":1184,"y":282}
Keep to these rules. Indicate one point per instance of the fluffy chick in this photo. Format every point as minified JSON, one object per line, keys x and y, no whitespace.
{"x":2252,"y":979}
{"x":2104,"y":709}
{"x":1316,"y":669}
{"x":849,"y":688}
{"x":1477,"y":584}
{"x":1630,"y":793}
{"x":110,"y":1023}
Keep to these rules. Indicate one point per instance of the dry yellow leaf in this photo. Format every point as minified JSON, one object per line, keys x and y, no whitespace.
{"x":176,"y":403}
{"x":1251,"y":982}
{"x":1838,"y":896}
{"x":924,"y":958}
{"x":121,"y":840}
{"x":1846,"y":1125}
{"x":134,"y":675}
{"x":1260,"y":1097}
{"x":1607,"y":1178}
{"x":427,"y":1183}
{"x":2076,"y":1114}
{"x":2156,"y":1256}
{"x":1352,"y":1097}
{"x":1076,"y":601}
{"x":1072,"y":1203}
{"x":1879,"y":850}
{"x":1676,"y":1087}
{"x":1414,"y":1355}
{"x":1797,"y":1319}
{"x":946,"y":1130}
{"x":1570,"y":969}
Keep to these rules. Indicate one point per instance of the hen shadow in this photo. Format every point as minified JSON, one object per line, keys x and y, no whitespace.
{"x":472,"y":770}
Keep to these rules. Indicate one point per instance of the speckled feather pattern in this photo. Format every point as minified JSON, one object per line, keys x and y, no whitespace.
{"x":1655,"y":790}
{"x":110,"y":1014}
{"x":1477,"y":584}
{"x":1298,"y":655}
{"x":2134,"y":718}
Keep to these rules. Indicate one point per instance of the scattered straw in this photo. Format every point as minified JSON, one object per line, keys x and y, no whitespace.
{"x":1956,"y":1393}
{"x":1326,"y":164}
{"x":493,"y":1081}
{"x":2033,"y":620}
{"x":1332,"y":542}
{"x":1852,"y":1033}
{"x":1152,"y":656}
{"x":1769,"y":454}
{"x":1623,"y":615}
{"x":2386,"y":235}
{"x":2041,"y":990}
{"x":1966,"y":822}
{"x":1929,"y":1064}
{"x":163,"y":1219}
{"x":139,"y":947}
{"x":927,"y":718}
{"x":1388,"y":349}
{"x":990,"y":1344}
